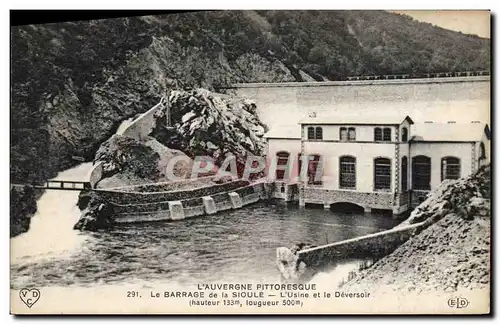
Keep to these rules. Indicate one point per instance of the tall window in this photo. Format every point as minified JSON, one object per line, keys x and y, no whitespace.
{"x":319,"y":133}
{"x":313,"y":170}
{"x":421,"y":172}
{"x":387,"y":134}
{"x":282,"y":158}
{"x":404,"y":174}
{"x":404,"y":134}
{"x":343,"y":133}
{"x":347,"y":166}
{"x":378,"y":134}
{"x":311,"y":134}
{"x":351,"y":136}
{"x":450,"y":168}
{"x":314,"y":133}
{"x":382,"y":173}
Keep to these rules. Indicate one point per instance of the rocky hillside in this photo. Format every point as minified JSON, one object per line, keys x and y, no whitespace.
{"x":73,"y":83}
{"x":209,"y":124}
{"x":452,"y":254}
{"x":22,"y":208}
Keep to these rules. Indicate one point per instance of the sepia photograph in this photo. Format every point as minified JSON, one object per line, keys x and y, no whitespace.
{"x":250,"y":162}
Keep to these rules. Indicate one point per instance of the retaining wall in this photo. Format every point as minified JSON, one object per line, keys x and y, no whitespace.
{"x":372,"y":245}
{"x":380,"y":200}
{"x":127,"y":198}
{"x":148,"y":212}
{"x":141,"y":127}
{"x":95,"y":174}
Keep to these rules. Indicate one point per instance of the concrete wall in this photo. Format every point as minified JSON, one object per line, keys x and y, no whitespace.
{"x":192,"y":207}
{"x":460,"y":99}
{"x":367,"y":200}
{"x":372,"y":245}
{"x":95,"y":174}
{"x":127,"y":198}
{"x":436,"y":151}
{"x":141,"y":127}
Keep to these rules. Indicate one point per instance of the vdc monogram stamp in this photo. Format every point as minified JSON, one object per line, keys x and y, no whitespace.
{"x":29,"y":296}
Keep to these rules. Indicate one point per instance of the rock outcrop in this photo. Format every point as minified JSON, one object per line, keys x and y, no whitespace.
{"x":209,"y":124}
{"x":451,"y":254}
{"x":467,"y":197}
{"x":97,"y":213}
{"x":127,"y":161}
{"x":22,"y":208}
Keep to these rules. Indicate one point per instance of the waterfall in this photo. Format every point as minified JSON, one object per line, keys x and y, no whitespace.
{"x":51,"y":228}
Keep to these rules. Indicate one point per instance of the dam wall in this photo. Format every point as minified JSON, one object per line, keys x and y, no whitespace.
{"x":139,"y":211}
{"x":461,"y":99}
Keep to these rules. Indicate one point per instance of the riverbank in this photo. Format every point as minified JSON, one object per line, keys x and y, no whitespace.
{"x":452,"y":254}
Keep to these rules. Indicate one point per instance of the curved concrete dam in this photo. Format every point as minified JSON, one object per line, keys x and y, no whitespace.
{"x":461,"y":99}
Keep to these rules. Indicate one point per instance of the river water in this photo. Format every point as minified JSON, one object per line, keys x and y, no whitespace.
{"x":233,"y":246}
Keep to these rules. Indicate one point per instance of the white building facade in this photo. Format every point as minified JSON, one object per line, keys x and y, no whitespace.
{"x":376,"y":162}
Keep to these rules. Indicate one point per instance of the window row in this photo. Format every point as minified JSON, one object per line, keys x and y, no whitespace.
{"x":421,"y":171}
{"x":381,"y":173}
{"x":349,"y":134}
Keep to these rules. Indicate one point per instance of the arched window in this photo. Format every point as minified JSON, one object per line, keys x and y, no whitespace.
{"x":450,"y":168}
{"x":319,"y":133}
{"x":387,"y":134}
{"x":347,"y":172}
{"x":343,"y":134}
{"x":378,"y":134}
{"x":482,"y":151}
{"x":404,"y":134}
{"x":351,"y":136}
{"x":382,"y":173}
{"x":314,"y":170}
{"x":404,"y":174}
{"x":421,"y":172}
{"x":310,"y":133}
{"x":282,"y":159}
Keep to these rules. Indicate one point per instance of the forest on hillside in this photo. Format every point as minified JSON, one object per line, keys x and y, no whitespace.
{"x":72,"y":82}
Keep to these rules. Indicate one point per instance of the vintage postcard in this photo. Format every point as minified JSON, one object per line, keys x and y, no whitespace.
{"x":251,"y":162}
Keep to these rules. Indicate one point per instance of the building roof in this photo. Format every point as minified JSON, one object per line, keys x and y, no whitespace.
{"x":284,"y":131}
{"x":359,"y":119}
{"x":449,"y":132}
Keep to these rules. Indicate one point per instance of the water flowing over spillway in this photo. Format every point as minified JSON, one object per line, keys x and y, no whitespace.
{"x":51,"y":229}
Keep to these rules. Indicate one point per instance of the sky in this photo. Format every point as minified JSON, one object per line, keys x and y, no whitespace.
{"x":475,"y":22}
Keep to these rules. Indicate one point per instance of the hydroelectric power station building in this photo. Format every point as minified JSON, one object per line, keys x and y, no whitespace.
{"x":378,"y":144}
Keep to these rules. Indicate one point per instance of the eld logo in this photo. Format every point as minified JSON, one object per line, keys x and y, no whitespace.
{"x":458,"y":302}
